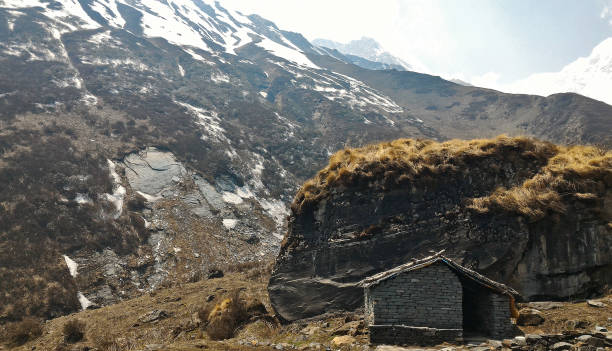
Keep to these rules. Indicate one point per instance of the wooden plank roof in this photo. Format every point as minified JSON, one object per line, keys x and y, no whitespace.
{"x":438,"y":257}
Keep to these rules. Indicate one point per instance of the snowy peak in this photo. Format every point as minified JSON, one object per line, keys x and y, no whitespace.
{"x":367,"y":49}
{"x":199,"y":24}
{"x":589,"y":76}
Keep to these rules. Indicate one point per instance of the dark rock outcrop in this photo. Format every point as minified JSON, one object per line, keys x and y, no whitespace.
{"x":361,"y":228}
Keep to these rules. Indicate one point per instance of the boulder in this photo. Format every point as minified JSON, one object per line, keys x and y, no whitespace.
{"x":215,"y":273}
{"x":151,"y":171}
{"x":520,"y":341}
{"x":340,"y":234}
{"x":576,"y":324}
{"x":594,"y":303}
{"x":153,"y":316}
{"x":561,"y":346}
{"x":340,"y":341}
{"x":596,"y":342}
{"x":495,"y":343}
{"x":533,"y":339}
{"x":529,"y":316}
{"x":584,"y":338}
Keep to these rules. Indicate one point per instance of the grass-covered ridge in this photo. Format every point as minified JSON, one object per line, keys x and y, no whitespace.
{"x":562,"y":172}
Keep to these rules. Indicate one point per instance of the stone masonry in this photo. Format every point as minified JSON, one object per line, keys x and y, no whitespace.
{"x":435,"y":301}
{"x":428,"y":297}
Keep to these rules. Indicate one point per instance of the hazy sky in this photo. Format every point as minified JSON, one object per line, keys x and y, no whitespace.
{"x":468,"y":39}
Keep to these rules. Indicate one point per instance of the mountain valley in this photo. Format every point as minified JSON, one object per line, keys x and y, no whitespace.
{"x":147,"y":143}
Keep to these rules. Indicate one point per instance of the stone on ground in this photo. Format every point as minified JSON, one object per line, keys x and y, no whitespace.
{"x":339,"y":341}
{"x":529,"y":316}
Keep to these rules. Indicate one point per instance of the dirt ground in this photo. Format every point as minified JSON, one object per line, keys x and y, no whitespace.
{"x":124,"y":326}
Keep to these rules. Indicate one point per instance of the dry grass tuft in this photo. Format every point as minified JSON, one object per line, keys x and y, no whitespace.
{"x":74,"y":331}
{"x":227,"y":316}
{"x":21,"y":332}
{"x":577,"y":171}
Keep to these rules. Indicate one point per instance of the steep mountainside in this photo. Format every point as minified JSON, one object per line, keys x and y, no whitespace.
{"x":145,"y":142}
{"x":457,"y":111}
{"x":527,"y":213}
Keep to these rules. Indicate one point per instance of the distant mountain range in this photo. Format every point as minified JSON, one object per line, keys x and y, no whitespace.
{"x":589,"y":76}
{"x":368,"y":53}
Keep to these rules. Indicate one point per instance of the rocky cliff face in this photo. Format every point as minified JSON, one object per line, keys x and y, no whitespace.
{"x":374,"y":221}
{"x":187,"y":226}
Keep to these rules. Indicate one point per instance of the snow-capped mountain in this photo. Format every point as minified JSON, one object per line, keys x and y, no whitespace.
{"x":589,"y":76}
{"x":368,"y":53}
{"x":151,"y":140}
{"x":199,"y":24}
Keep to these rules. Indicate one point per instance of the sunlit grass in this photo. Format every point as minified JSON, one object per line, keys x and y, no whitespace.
{"x":564,"y":172}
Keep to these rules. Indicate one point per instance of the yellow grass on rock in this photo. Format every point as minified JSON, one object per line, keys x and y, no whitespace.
{"x":582,"y":172}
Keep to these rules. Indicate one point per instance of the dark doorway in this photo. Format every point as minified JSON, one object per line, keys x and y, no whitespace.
{"x":475,"y":309}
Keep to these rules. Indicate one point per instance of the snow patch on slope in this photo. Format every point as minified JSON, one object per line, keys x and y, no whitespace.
{"x":232,"y":198}
{"x":103,"y":7}
{"x":70,"y":12}
{"x":278,"y":211}
{"x":100,"y":38}
{"x":132,"y":63}
{"x":220,"y":77}
{"x":72,"y":266}
{"x":209,"y":120}
{"x":85,"y":303}
{"x":159,"y":20}
{"x":355,"y":93}
{"x":229,"y":223}
{"x":116,"y":198}
{"x":286,"y":53}
{"x":82,"y":199}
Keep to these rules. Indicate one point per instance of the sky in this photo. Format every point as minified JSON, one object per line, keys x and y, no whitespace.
{"x":478,"y":41}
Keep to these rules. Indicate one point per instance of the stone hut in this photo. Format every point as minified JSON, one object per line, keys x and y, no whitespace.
{"x":433,"y":300}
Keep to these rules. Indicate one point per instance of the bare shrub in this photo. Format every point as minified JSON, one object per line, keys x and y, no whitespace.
{"x":21,"y":332}
{"x":74,"y":331}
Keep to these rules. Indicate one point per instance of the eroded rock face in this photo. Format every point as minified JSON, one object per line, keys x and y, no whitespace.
{"x":151,"y":171}
{"x":362,"y":230}
{"x":188,"y":225}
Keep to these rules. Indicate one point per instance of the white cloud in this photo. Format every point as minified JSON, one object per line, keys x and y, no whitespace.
{"x":487,"y":80}
{"x":606,"y":12}
{"x":337,"y":20}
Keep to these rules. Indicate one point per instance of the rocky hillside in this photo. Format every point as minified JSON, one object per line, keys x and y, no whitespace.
{"x":144,"y":142}
{"x":466,"y":112}
{"x":524,"y":212}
